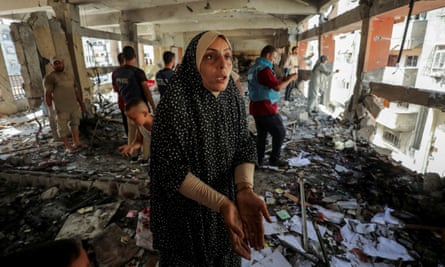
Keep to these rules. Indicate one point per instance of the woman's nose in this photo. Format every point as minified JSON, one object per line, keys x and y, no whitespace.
{"x":224,"y":62}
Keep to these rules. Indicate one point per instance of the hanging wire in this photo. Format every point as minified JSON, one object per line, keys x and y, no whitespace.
{"x":411,"y":7}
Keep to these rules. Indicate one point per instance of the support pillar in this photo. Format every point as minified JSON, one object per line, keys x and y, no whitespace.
{"x":130,"y":31}
{"x":28,"y":56}
{"x":358,"y":88}
{"x":69,"y":17}
{"x":44,"y":40}
{"x":45,"y":46}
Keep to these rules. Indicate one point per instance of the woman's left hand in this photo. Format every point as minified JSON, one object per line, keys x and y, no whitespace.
{"x":252,"y":209}
{"x":235,"y":228}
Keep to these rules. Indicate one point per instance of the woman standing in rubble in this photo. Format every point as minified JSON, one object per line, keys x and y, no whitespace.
{"x":203,"y":207}
{"x":319,"y":74}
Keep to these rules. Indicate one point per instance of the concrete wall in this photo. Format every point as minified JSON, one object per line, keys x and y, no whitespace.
{"x":378,"y":49}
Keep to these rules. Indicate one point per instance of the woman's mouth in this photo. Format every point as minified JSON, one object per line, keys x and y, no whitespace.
{"x":221,"y":79}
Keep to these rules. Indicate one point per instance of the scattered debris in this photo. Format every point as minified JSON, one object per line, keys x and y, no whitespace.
{"x":360,"y":208}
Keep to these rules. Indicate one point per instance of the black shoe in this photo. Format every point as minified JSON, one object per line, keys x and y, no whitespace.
{"x":278,"y":163}
{"x":134,"y":160}
{"x":144,"y":163}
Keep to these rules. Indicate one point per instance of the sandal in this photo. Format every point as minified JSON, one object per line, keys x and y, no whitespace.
{"x":80,"y":146}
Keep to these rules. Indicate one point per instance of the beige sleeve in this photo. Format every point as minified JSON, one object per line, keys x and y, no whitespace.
{"x":244,"y":173}
{"x":192,"y":187}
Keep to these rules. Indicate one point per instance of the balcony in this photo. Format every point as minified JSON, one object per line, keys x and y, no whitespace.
{"x":398,"y":119}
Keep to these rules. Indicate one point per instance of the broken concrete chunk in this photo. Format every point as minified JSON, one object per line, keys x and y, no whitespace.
{"x":88,"y":225}
{"x":50,"y":193}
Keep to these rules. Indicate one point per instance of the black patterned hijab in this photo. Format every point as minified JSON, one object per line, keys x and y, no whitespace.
{"x":189,"y":71}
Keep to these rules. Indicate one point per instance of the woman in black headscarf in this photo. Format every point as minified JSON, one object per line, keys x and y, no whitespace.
{"x":203,"y":208}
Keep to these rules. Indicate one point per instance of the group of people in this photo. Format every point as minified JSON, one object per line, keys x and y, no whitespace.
{"x":204,"y":211}
{"x":135,"y":97}
{"x":131,"y":85}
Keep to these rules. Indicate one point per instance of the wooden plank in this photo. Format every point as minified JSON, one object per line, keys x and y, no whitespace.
{"x":432,"y":99}
{"x":372,"y":105}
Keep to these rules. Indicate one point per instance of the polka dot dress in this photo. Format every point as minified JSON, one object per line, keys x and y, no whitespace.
{"x":195,"y":131}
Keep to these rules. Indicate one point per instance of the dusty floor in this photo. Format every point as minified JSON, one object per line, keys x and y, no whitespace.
{"x":42,"y":186}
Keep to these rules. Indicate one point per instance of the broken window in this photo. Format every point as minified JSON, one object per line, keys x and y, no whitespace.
{"x":11,"y":62}
{"x":411,"y":61}
{"x":392,"y":61}
{"x":17,"y":86}
{"x":439,"y":59}
{"x":392,"y":138}
{"x":100,"y":53}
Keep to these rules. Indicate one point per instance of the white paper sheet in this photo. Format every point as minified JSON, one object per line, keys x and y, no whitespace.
{"x":295,"y":224}
{"x":276,"y":259}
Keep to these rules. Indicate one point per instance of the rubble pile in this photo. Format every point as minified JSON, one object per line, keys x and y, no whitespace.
{"x":369,"y":212}
{"x":360,"y":207}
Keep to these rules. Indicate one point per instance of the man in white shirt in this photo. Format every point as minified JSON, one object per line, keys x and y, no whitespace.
{"x":292,"y":65}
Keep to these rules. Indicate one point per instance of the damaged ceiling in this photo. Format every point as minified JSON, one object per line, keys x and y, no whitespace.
{"x":246,"y":18}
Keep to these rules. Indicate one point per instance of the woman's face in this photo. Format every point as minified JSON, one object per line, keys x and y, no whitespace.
{"x":216,"y":65}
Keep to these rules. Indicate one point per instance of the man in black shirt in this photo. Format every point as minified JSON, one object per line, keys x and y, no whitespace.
{"x":164,"y":75}
{"x":132,"y":84}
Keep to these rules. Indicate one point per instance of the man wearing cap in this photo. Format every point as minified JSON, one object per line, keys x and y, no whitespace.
{"x":61,"y":90}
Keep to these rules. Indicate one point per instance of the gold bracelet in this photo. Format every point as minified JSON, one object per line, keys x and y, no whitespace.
{"x":244,"y":187}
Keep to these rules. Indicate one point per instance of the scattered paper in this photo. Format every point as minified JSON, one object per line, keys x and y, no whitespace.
{"x":361,"y":228}
{"x":295,"y":224}
{"x":298,"y":161}
{"x":292,"y":240}
{"x":385,"y":217}
{"x":273,"y":228}
{"x":276,"y":259}
{"x":387,"y":249}
{"x":329,"y":215}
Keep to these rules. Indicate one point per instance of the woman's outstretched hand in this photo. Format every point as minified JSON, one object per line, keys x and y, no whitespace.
{"x":252,"y":210}
{"x":235,"y":228}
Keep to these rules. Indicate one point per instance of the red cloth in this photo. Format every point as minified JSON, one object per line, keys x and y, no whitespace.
{"x":267,"y":77}
{"x":264,"y":107}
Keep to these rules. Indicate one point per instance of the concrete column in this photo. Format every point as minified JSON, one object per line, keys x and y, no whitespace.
{"x":68,"y":15}
{"x":44,"y":40}
{"x":29,"y":58}
{"x":45,"y":46}
{"x":365,"y":11}
{"x":130,"y":30}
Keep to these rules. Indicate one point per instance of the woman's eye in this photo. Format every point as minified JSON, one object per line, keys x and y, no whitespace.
{"x":209,"y":57}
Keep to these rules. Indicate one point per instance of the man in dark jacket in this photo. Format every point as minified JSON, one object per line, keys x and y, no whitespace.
{"x":163,"y":76}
